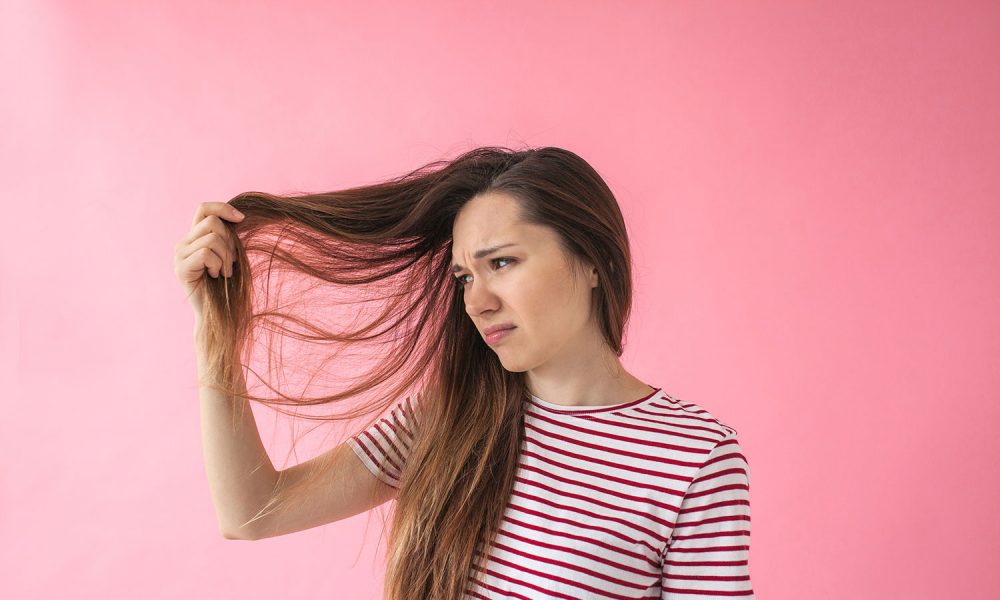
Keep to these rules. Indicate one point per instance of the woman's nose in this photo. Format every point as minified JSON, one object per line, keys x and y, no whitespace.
{"x":478,"y":298}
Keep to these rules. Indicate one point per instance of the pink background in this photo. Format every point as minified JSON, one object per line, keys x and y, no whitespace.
{"x":812,"y":195}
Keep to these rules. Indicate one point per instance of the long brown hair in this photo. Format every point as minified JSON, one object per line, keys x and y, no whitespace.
{"x":460,"y":470}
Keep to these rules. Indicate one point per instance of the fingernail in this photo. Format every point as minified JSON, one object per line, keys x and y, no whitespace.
{"x":238,"y":213}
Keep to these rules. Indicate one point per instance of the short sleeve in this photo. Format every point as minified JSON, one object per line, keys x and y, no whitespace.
{"x":384,"y":447}
{"x":708,"y":554}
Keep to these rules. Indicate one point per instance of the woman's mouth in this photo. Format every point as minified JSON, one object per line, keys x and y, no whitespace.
{"x":495,"y":337}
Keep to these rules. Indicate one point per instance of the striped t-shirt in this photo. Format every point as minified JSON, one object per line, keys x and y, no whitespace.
{"x":645,"y":499}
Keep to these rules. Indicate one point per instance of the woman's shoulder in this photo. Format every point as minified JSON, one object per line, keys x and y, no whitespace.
{"x":685,"y":413}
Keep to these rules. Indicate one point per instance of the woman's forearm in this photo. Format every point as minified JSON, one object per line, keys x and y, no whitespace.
{"x":240,"y":474}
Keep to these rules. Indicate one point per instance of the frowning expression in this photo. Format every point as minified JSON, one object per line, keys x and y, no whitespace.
{"x":514,"y":272}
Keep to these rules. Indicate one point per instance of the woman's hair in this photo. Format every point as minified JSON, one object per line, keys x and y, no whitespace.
{"x":395,"y":237}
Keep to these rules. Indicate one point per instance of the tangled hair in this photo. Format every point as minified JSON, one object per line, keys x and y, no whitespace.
{"x":461,"y":465}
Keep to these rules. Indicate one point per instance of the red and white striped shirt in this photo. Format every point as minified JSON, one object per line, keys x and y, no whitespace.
{"x":645,"y":499}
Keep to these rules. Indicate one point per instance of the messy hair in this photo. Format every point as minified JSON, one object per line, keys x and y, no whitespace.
{"x":390,"y":243}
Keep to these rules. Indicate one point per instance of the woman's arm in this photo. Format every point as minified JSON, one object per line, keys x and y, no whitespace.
{"x":240,"y":474}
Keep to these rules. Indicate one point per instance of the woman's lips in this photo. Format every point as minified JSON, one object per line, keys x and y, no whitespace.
{"x":495,"y":337}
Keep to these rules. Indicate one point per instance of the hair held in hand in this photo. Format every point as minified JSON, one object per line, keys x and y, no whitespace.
{"x":388,"y":245}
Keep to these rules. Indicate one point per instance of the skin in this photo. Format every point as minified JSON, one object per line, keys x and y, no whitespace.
{"x":557,"y":342}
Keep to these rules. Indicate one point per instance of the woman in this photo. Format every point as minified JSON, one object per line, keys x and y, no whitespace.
{"x":530,"y":463}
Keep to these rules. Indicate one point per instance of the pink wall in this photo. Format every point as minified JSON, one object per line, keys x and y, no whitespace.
{"x":811,"y":189}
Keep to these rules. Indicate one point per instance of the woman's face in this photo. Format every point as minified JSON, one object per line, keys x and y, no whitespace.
{"x":528,"y":284}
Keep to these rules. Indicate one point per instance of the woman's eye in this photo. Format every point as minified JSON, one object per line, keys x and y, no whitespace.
{"x":460,"y":282}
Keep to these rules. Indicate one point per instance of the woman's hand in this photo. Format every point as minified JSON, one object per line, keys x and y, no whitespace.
{"x":207,"y":246}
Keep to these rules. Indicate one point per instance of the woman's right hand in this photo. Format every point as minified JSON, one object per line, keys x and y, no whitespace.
{"x":207,"y":246}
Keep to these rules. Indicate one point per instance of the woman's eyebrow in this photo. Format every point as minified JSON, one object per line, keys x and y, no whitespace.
{"x":482,"y":254}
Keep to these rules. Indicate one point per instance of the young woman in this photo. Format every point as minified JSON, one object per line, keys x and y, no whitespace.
{"x":529,"y":463}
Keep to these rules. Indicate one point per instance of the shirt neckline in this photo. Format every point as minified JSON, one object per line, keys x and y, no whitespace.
{"x":657,"y":393}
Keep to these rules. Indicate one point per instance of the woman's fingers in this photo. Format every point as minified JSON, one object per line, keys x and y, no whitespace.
{"x":209,"y":252}
{"x":209,"y":225}
{"x":222,"y":210}
{"x":207,"y":246}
